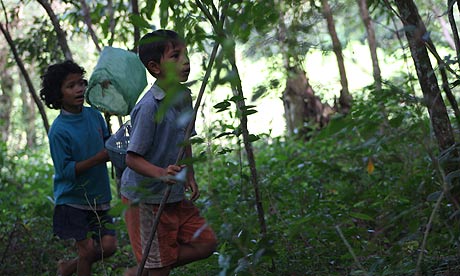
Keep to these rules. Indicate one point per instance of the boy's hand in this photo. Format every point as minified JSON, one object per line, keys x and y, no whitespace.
{"x":171,"y":173}
{"x":193,"y":187}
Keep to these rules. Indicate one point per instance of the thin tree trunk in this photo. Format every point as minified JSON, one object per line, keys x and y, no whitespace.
{"x":6,"y":90}
{"x":137,"y":34}
{"x":238,"y":92}
{"x":28,"y":114}
{"x":444,"y":25}
{"x":30,"y":85}
{"x":453,"y":26}
{"x":218,"y":25}
{"x":364,"y":12}
{"x":62,"y":39}
{"x":415,"y":30}
{"x":112,"y":23}
{"x":89,"y":24}
{"x":345,"y":97}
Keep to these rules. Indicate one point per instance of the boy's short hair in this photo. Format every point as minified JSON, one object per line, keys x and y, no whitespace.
{"x":153,"y":45}
{"x":52,"y":81}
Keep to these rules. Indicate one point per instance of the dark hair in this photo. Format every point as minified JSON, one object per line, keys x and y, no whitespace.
{"x":52,"y":81}
{"x":153,"y":45}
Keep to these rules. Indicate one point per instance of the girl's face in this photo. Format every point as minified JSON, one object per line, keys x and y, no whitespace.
{"x":73,"y":89}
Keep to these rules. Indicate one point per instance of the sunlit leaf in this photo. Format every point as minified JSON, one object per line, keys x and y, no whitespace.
{"x":370,"y":166}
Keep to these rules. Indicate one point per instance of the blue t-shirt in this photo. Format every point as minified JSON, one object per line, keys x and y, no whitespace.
{"x":74,"y":138}
{"x":158,"y":141}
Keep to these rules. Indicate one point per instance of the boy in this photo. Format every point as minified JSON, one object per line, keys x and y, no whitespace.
{"x":155,"y":140}
{"x":81,"y":185}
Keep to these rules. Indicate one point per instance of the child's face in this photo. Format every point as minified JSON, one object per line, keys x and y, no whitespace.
{"x":174,"y":64}
{"x":73,"y":89}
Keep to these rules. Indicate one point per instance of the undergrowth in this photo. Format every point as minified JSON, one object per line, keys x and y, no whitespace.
{"x":354,"y":199}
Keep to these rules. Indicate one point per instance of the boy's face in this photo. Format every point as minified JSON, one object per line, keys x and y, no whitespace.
{"x":73,"y":89}
{"x":174,"y":64}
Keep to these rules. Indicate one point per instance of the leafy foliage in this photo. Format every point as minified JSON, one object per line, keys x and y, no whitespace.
{"x":369,"y":175}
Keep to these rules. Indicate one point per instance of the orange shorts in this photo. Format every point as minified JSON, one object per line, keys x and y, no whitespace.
{"x":180,"y":223}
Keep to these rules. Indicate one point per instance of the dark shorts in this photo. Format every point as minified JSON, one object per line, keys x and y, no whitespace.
{"x":73,"y":223}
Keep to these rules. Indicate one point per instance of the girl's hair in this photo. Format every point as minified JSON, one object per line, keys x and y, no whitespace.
{"x":52,"y":81}
{"x":153,"y":45}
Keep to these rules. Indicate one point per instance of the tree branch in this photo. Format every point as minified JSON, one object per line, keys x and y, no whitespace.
{"x":62,"y":40}
{"x":89,"y":24}
{"x":30,"y":85}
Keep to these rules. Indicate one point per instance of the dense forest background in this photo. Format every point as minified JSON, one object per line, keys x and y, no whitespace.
{"x":348,"y":167}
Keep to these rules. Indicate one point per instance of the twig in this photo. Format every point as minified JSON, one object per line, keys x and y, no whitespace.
{"x":94,"y":210}
{"x":427,"y":231}
{"x":337,"y":228}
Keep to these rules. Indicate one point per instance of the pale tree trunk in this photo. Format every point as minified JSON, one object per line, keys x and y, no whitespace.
{"x":444,"y":25}
{"x":28,"y":114}
{"x":364,"y":12}
{"x":345,"y":99}
{"x":6,"y":91}
{"x":26,"y":76}
{"x":303,"y":110}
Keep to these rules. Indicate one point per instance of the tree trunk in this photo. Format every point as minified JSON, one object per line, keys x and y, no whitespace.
{"x":62,"y":39}
{"x":301,"y":107}
{"x":26,"y":76}
{"x":345,"y":97}
{"x":6,"y":90}
{"x":137,"y":34}
{"x":112,"y":23}
{"x":28,"y":114}
{"x":364,"y":12}
{"x":453,"y":26}
{"x":238,"y":91}
{"x":89,"y":24}
{"x":444,"y":25}
{"x":415,"y":30}
{"x":303,"y":110}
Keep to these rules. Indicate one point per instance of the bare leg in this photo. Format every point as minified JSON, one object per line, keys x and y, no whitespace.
{"x":193,"y":252}
{"x":132,"y":271}
{"x":164,"y":271}
{"x":187,"y":253}
{"x":86,"y":257}
{"x":67,"y":267}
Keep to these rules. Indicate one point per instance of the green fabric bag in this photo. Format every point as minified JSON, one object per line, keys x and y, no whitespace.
{"x":116,"y":82}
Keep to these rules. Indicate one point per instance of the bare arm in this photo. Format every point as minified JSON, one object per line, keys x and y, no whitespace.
{"x":141,"y":166}
{"x":99,"y":158}
{"x":191,"y":182}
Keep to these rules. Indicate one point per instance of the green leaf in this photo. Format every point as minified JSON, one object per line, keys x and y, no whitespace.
{"x":361,"y":216}
{"x":249,"y":112}
{"x":253,"y":137}
{"x":222,"y":106}
{"x":139,"y":21}
{"x":434,"y":196}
